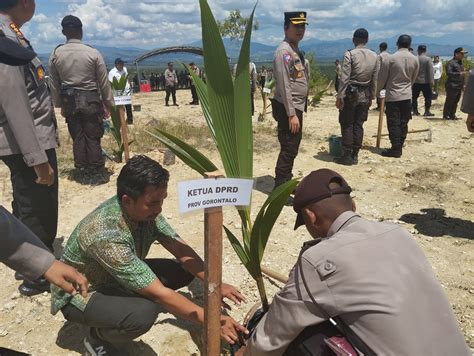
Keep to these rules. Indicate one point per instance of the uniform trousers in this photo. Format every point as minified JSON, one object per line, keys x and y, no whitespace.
{"x":194,"y":94}
{"x":351,"y":119}
{"x":128,"y":108}
{"x":451,"y":104}
{"x":35,"y":205}
{"x":170,"y":91}
{"x":86,"y":132}
{"x":119,"y":317}
{"x":289,"y":143}
{"x":427,"y":94}
{"x":398,"y":115}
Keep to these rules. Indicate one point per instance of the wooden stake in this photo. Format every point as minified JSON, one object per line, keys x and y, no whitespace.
{"x":379,"y":130}
{"x":213,"y":221}
{"x":124,"y":132}
{"x":409,"y":132}
{"x":275,"y":275}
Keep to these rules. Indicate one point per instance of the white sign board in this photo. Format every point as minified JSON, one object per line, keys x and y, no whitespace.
{"x":209,"y":193}
{"x":267,"y":90}
{"x":123,"y":100}
{"x":382,"y":93}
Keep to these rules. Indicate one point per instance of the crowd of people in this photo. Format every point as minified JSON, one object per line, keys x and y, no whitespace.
{"x":366,"y":281}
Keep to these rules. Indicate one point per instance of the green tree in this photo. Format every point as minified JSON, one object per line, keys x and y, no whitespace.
{"x":234,"y":25}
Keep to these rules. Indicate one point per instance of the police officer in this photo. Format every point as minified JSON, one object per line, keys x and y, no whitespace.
{"x":28,"y":137}
{"x":454,"y":84}
{"x":80,"y":88}
{"x":382,"y":61}
{"x":171,"y":83}
{"x":197,"y":72}
{"x":397,"y":79}
{"x":351,"y":272}
{"x":424,"y":82}
{"x":292,"y":76}
{"x":357,"y":88}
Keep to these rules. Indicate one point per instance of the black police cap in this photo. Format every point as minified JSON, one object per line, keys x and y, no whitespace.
{"x":421,"y":48}
{"x":296,"y":17}
{"x":71,"y":21}
{"x":13,"y":53}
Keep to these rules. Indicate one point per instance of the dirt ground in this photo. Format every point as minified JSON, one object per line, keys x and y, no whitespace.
{"x":429,"y":191}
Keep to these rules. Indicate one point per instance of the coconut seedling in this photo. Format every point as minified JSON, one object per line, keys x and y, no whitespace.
{"x":227,"y":110}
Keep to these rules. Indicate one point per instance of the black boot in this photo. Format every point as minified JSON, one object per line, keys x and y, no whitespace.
{"x":392,"y":152}
{"x":355,"y":156}
{"x":345,"y":159}
{"x":428,"y":113}
{"x":30,"y":288}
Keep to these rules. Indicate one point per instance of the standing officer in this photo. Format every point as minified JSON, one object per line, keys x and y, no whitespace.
{"x":424,"y":82}
{"x":194,"y":94}
{"x":454,"y":84}
{"x":80,"y":88}
{"x":291,"y":93}
{"x":356,"y":91}
{"x":171,"y":83}
{"x":28,"y":137}
{"x":397,"y":79}
{"x":382,"y":61}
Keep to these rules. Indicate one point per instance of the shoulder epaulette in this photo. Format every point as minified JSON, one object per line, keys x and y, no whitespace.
{"x":54,"y":52}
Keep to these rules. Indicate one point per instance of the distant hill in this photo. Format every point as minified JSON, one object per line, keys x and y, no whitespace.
{"x":324,"y":50}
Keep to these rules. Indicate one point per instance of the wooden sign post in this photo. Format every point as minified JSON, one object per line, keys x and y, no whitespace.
{"x":124,"y":132}
{"x":379,"y":130}
{"x":211,"y":194}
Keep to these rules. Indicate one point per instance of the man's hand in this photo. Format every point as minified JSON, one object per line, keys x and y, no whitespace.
{"x":67,"y":278}
{"x":230,"y":292}
{"x":45,"y":174}
{"x":470,"y":122}
{"x":339,"y":103}
{"x":294,"y":124}
{"x":230,"y":329}
{"x":370,"y":103}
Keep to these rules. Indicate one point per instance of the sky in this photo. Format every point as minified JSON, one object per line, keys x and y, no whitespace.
{"x":155,"y":24}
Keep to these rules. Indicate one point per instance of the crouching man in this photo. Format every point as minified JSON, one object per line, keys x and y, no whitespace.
{"x":371,"y":277}
{"x":110,"y":246}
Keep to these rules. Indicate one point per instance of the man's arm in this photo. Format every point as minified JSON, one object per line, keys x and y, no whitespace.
{"x":415,"y":71}
{"x":345,"y":75}
{"x":55,"y":81}
{"x":430,"y":72}
{"x":103,"y":82}
{"x":281,"y":72}
{"x":290,"y":313}
{"x":17,"y":110}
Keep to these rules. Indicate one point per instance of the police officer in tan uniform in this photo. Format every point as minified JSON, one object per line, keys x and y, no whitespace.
{"x":291,"y":75}
{"x":371,"y":278}
{"x":28,"y":137}
{"x":357,"y":88}
{"x":80,"y":88}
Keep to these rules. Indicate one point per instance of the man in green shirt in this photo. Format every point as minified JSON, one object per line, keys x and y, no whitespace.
{"x":109,"y":247}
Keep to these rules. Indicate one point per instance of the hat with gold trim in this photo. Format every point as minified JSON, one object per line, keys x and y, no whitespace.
{"x":296,"y":18}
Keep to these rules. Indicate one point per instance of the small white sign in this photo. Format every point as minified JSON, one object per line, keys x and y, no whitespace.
{"x":209,"y":193}
{"x":382,"y":93}
{"x":267,"y":90}
{"x":123,"y":100}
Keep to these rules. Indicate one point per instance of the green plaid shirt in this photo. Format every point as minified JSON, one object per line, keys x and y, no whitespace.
{"x":109,"y":249}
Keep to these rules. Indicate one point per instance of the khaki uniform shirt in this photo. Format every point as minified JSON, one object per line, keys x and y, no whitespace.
{"x":292,"y":76}
{"x":359,"y":68}
{"x":382,"y":63}
{"x":20,"y":249}
{"x":400,"y":74}
{"x":27,"y":122}
{"x":80,"y":66}
{"x":171,"y":79}
{"x":375,"y":277}
{"x":425,"y":73}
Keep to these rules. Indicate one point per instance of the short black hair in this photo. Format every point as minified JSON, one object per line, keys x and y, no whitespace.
{"x":139,"y":173}
{"x":7,"y":4}
{"x":383,"y":46}
{"x":404,"y":41}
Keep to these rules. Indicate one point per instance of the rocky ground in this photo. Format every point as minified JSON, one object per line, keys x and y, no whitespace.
{"x":429,"y":191}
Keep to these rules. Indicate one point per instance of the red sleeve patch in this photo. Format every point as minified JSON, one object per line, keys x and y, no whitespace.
{"x":286,"y":58}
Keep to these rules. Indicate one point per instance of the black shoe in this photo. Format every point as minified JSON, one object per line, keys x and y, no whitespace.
{"x":456,"y":118}
{"x":167,"y":104}
{"x":19,"y":276}
{"x":129,"y":121}
{"x":446,"y":118}
{"x":175,"y":104}
{"x":416,"y":113}
{"x":98,"y":347}
{"x":345,"y":159}
{"x":428,"y":114}
{"x":355,"y":157}
{"x":30,"y":288}
{"x":392,"y":153}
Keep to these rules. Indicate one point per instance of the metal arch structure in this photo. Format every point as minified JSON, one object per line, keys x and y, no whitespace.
{"x":156,"y":52}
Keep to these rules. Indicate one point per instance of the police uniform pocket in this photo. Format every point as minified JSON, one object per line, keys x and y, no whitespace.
{"x":326,"y":269}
